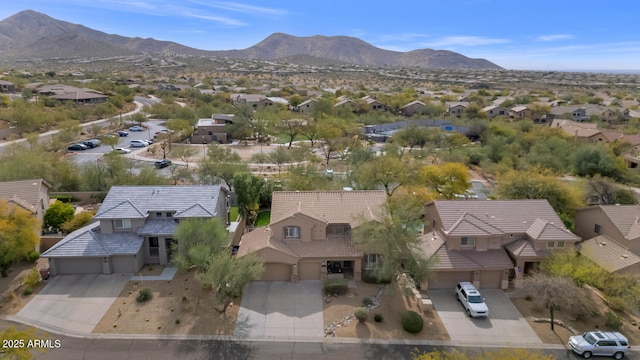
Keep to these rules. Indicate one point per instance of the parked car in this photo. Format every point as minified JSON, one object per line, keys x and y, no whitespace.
{"x":122,"y":133}
{"x":148,"y":141}
{"x":138,"y":143}
{"x":160,"y":164}
{"x":600,"y":343}
{"x":91,"y":143}
{"x":121,"y":150}
{"x":78,"y":147}
{"x":136,"y":128}
{"x":471,"y":300}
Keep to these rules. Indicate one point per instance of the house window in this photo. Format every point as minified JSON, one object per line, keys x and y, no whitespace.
{"x":467,"y":241}
{"x":292,"y":232}
{"x":154,"y":248}
{"x":158,"y":214}
{"x":341,"y":229}
{"x":560,"y":244}
{"x":169,"y":214}
{"x":551,"y":244}
{"x":597,"y":229}
{"x":372,"y":261}
{"x":122,"y":224}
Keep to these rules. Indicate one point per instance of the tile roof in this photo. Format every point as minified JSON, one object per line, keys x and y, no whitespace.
{"x":332,"y":207}
{"x":137,"y":201}
{"x":414,"y":102}
{"x":607,"y":253}
{"x":545,"y":230}
{"x":158,"y":227}
{"x":331,"y":247}
{"x":89,"y":242}
{"x":447,"y":259}
{"x":624,"y":217}
{"x":25,"y":193}
{"x":261,"y":239}
{"x":507,"y":216}
{"x":524,"y":248}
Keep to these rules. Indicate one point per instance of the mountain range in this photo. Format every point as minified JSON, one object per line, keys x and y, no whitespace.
{"x":33,"y":35}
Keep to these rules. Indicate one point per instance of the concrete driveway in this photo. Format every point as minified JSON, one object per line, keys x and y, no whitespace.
{"x":73,"y":303}
{"x":281,"y":309}
{"x":505,"y":325}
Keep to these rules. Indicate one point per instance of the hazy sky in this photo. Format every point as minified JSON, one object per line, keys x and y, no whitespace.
{"x":515,"y":34}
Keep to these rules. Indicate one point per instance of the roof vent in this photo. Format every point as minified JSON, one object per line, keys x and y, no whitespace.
{"x":624,"y":256}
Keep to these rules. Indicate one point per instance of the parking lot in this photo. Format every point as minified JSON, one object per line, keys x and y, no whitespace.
{"x":504,"y":324}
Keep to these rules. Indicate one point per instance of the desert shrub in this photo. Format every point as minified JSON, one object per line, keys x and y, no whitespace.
{"x":32,"y":279}
{"x":412,"y":322}
{"x":144,"y":295}
{"x":27,"y":291}
{"x":336,"y":286}
{"x":378,"y":317}
{"x":367,"y":302}
{"x":361,"y":313}
{"x":32,"y":256}
{"x":370,"y":278}
{"x":616,"y":303}
{"x":612,"y":321}
{"x":528,"y":298}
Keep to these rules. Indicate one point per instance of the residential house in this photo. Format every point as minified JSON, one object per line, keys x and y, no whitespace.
{"x":306,"y":107}
{"x":309,"y":237}
{"x":521,"y":112}
{"x":495,"y":110}
{"x":489,"y":242}
{"x":81,"y":97}
{"x":256,"y":101}
{"x":588,"y":111}
{"x":31,"y":195}
{"x":7,"y":87}
{"x":583,"y":132}
{"x":372,"y":104}
{"x":134,"y":226}
{"x":456,"y":108}
{"x":412,"y":108}
{"x":344,"y":101}
{"x":382,"y":132}
{"x":212,"y":130}
{"x":611,"y":235}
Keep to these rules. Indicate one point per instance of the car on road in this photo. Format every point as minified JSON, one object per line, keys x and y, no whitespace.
{"x":136,"y":128}
{"x":600,"y":343}
{"x":471,"y":300}
{"x":122,"y":133}
{"x":160,"y":164}
{"x":78,"y":147}
{"x":121,"y":151}
{"x":138,"y":143}
{"x":91,"y":143}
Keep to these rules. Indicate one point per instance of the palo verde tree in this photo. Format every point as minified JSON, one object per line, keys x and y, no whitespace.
{"x":220,"y":164}
{"x":18,"y":235}
{"x":57,"y":214}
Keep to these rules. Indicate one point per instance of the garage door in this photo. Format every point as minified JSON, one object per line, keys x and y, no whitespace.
{"x":449,"y":279}
{"x":123,"y":264}
{"x":276,"y":272}
{"x":490,"y":279}
{"x":79,"y":266}
{"x":309,"y":270}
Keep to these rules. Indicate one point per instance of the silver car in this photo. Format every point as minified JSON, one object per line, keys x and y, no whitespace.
{"x":600,"y":343}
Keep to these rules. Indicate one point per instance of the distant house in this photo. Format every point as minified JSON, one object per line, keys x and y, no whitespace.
{"x":7,"y":87}
{"x":495,"y":110}
{"x":412,"y":108}
{"x":343,"y":102}
{"x":382,"y":132}
{"x":212,"y":130}
{"x":373,"y":104}
{"x":588,"y":111}
{"x":134,"y":226}
{"x":521,"y":112}
{"x":31,"y":195}
{"x":256,"y":101}
{"x":306,"y":107}
{"x":81,"y":97}
{"x":456,"y":108}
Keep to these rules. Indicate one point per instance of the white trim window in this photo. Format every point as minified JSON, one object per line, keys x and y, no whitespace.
{"x":467,"y":241}
{"x":372,"y":261}
{"x":551,"y":244}
{"x":292,"y":232}
{"x":560,"y":244}
{"x":122,"y":223}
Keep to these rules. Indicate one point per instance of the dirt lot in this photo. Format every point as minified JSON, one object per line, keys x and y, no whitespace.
{"x":392,"y":304}
{"x":179,"y":306}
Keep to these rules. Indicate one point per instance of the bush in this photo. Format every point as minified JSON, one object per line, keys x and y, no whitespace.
{"x":336,"y":286}
{"x":412,"y":322}
{"x":32,"y":279}
{"x":27,"y":291}
{"x":528,"y":298}
{"x":616,"y":303}
{"x":378,"y":317}
{"x":32,"y":256}
{"x":367,"y":302}
{"x":612,"y":321}
{"x":144,"y":295}
{"x":361,"y":313}
{"x":370,"y":278}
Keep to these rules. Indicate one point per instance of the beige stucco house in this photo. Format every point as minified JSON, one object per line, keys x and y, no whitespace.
{"x":412,"y":108}
{"x":31,"y":195}
{"x":489,"y":242}
{"x":212,"y":130}
{"x":309,"y":237}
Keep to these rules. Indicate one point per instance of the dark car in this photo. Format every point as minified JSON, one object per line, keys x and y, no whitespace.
{"x":122,"y":133}
{"x":78,"y":147}
{"x":91,"y":143}
{"x":163,"y":163}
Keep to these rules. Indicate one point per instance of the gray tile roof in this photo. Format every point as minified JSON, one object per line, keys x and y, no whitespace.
{"x":158,"y":227}
{"x":607,"y":253}
{"x":89,"y":242}
{"x":124,"y":202}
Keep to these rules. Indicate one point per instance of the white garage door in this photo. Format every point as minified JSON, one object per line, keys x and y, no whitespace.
{"x":276,"y":272}
{"x":309,"y":270}
{"x":80,"y":266}
{"x":490,"y":279}
{"x":448,"y":279}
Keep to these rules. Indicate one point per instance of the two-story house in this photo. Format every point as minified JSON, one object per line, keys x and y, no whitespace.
{"x":456,"y":108}
{"x":611,"y":235}
{"x":134,"y":226}
{"x":31,"y":195}
{"x":489,"y":242}
{"x":309,"y":237}
{"x":256,"y":101}
{"x":495,"y":110}
{"x":212,"y":130}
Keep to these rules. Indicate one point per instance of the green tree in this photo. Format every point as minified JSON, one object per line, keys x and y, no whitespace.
{"x":279,"y":156}
{"x":22,"y":352}
{"x":247,"y":188}
{"x":220,"y":163}
{"x":387,"y":171}
{"x":446,"y":180}
{"x":19,"y":231}
{"x":291,"y":128}
{"x":591,"y":160}
{"x":184,"y":153}
{"x":77,"y":221}
{"x":57,"y":214}
{"x":197,"y":240}
{"x":110,"y":141}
